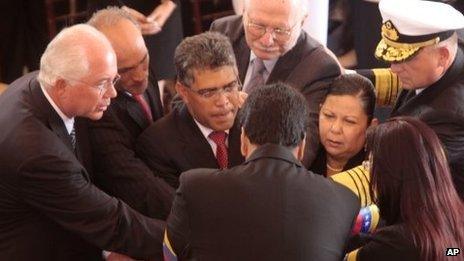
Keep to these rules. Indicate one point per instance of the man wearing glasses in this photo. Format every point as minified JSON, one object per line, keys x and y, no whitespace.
{"x":49,"y":207}
{"x":200,"y":133}
{"x":118,"y":171}
{"x":270,"y":46}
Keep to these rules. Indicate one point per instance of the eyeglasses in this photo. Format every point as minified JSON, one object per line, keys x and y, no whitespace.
{"x":213,"y":93}
{"x":258,"y":30}
{"x":102,"y":86}
{"x":128,"y":69}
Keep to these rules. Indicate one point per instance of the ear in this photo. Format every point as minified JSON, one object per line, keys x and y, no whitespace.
{"x":374,"y":122}
{"x":58,"y":90}
{"x":244,"y":143}
{"x":60,"y":85}
{"x":443,"y":57}
{"x":301,"y":148}
{"x":180,"y":89}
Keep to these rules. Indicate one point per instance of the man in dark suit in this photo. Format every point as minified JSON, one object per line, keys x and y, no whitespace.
{"x":268,"y":208}
{"x":50,"y":210}
{"x":270,"y":46}
{"x":424,"y":51}
{"x":118,"y":171}
{"x":201,"y":131}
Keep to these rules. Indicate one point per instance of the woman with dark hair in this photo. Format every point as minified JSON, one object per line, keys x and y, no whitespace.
{"x":346,"y":113}
{"x":422,"y":210}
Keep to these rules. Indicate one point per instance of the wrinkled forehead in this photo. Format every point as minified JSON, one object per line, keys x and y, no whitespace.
{"x":214,"y":77}
{"x":102,"y":64}
{"x":130,"y":52}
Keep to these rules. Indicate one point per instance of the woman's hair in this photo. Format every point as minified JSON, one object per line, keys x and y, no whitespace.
{"x":357,"y":86}
{"x":411,"y":177}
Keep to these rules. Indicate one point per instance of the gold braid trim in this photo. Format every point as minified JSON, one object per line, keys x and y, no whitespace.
{"x":387,"y":86}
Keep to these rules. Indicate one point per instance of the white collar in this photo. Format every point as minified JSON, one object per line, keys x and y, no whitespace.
{"x":269,"y":64}
{"x":205,"y":130}
{"x":419,"y":90}
{"x":68,"y":122}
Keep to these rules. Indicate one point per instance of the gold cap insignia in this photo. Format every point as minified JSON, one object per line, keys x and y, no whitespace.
{"x":389,"y":31}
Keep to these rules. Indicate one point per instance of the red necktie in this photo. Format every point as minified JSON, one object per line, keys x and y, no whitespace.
{"x":144,"y":105}
{"x":219,"y":137}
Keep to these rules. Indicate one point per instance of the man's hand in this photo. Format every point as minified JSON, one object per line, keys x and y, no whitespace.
{"x":239,"y":99}
{"x":162,"y":12}
{"x":147,"y":25}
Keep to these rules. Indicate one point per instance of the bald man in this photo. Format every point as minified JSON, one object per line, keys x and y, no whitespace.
{"x":49,"y":208}
{"x":118,"y":171}
{"x":270,"y":46}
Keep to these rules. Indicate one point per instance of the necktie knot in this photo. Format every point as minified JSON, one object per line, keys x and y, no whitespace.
{"x":144,"y":106}
{"x":219,"y":137}
{"x":257,"y":75}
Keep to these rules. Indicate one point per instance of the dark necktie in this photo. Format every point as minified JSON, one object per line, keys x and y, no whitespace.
{"x":73,"y":138}
{"x":144,"y":105}
{"x":219,"y":137}
{"x":257,"y":75}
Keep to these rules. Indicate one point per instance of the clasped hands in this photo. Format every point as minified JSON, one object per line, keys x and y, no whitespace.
{"x":153,"y":23}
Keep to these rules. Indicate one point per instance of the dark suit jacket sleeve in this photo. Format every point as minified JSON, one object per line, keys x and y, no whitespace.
{"x":315,"y":90}
{"x":220,"y":26}
{"x":449,"y":129}
{"x":152,"y":148}
{"x":122,"y":174}
{"x":388,"y":243}
{"x":55,"y":186}
{"x":177,"y":227}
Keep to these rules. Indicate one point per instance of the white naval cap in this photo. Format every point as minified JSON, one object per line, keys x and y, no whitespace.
{"x":409,"y":25}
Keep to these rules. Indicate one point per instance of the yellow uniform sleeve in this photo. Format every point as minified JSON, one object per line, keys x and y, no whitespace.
{"x":387,"y":86}
{"x":357,"y":180}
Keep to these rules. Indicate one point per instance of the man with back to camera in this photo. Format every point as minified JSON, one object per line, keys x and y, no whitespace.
{"x":202,"y":131}
{"x":270,"y":46}
{"x":268,"y":208}
{"x":50,"y":210}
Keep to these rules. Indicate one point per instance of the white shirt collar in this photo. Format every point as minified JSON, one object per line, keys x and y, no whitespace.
{"x":419,"y":90}
{"x":205,"y":130}
{"x":68,"y":122}
{"x":269,"y":64}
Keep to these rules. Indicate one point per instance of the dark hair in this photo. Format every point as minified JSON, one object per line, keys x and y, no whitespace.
{"x":358,"y":86}
{"x":412,"y":179}
{"x":275,"y":114}
{"x":208,"y":50}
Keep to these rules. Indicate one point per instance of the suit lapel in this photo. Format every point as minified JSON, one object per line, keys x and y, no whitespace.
{"x":196,"y":148}
{"x":83,"y":146}
{"x":133,"y":109}
{"x":287,"y":63}
{"x":242,"y":52}
{"x":153,"y":98}
{"x":50,"y":116}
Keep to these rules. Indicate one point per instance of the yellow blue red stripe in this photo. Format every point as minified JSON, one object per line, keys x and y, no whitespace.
{"x":168,"y":252}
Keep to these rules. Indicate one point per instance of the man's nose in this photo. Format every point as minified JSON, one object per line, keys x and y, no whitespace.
{"x":267,"y":39}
